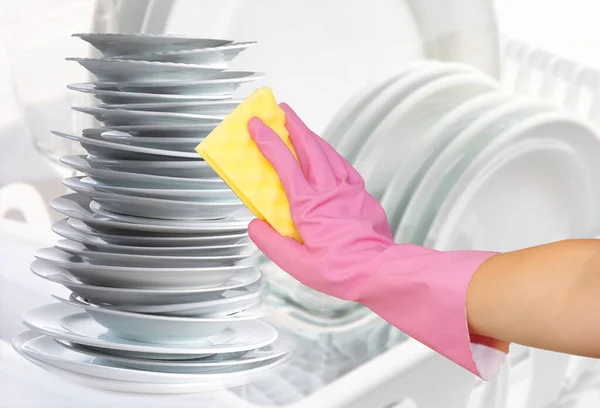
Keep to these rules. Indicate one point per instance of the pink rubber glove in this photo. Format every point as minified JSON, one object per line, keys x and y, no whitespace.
{"x":349,"y":252}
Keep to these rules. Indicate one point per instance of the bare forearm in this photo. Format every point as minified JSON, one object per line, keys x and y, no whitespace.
{"x":546,"y":297}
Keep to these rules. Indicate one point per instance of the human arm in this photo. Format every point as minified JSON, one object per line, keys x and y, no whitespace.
{"x":544,"y":297}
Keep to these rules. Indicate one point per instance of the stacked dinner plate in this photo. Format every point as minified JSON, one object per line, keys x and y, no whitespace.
{"x":164,"y":280}
{"x":457,"y":163}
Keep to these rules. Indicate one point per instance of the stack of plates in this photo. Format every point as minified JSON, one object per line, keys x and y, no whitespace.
{"x":164,"y":280}
{"x":459,"y":164}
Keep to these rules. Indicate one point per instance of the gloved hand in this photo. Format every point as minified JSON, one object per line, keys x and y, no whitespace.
{"x":349,"y":252}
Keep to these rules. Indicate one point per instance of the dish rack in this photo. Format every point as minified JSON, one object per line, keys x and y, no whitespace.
{"x":408,"y":374}
{"x":530,"y":378}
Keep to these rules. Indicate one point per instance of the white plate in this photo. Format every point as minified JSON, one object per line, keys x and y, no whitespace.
{"x":114,"y":234}
{"x":127,"y":179}
{"x":225,"y":82}
{"x":178,"y":144}
{"x":191,"y":131}
{"x":122,"y":97}
{"x":86,"y":185}
{"x":254,"y":358}
{"x":411,"y":169}
{"x":161,"y":212}
{"x":439,"y":178}
{"x":159,"y":208}
{"x":146,"y":388}
{"x":393,"y":95}
{"x":112,"y":150}
{"x":68,"y":323}
{"x":405,"y":123}
{"x":78,"y":206}
{"x":344,"y":117}
{"x":212,"y":304}
{"x":124,"y":44}
{"x":143,"y":277}
{"x":97,"y":243}
{"x":118,"y":117}
{"x":534,"y":183}
{"x":198,"y":56}
{"x":143,"y":71}
{"x":156,"y":329}
{"x":139,"y":297}
{"x":169,"y":168}
{"x":97,"y":208}
{"x":218,"y":107}
{"x":44,"y":349}
{"x":141,"y":260}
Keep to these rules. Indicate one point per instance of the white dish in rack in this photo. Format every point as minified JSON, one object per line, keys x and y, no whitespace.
{"x":403,"y":126}
{"x":534,"y":183}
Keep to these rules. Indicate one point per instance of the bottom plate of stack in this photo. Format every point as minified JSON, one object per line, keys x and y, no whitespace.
{"x":69,"y":341}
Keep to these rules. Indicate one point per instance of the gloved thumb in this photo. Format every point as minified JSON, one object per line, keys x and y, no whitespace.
{"x":279,"y":249}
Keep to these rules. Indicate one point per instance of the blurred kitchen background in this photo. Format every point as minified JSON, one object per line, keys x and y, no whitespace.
{"x":319,"y":63}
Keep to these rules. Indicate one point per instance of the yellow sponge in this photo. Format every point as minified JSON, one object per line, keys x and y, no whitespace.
{"x":230,"y":151}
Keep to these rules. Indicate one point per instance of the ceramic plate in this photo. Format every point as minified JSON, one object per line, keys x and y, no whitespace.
{"x":144,"y":71}
{"x":254,"y":358}
{"x":160,"y":208}
{"x":78,"y":206}
{"x":114,"y":233}
{"x":344,"y":118}
{"x":210,"y":195}
{"x":178,"y":144}
{"x":117,"y":151}
{"x":411,"y":169}
{"x":97,"y":243}
{"x":169,"y":168}
{"x":85,"y":185}
{"x":225,"y":82}
{"x":140,"y":180}
{"x":140,"y":260}
{"x":139,"y":297}
{"x":199,"y":56}
{"x":197,"y":131}
{"x":413,"y":116}
{"x":242,"y":213}
{"x":68,"y":323}
{"x":118,"y":117}
{"x":209,"y":304}
{"x":150,"y":388}
{"x":219,"y":107}
{"x":122,"y":97}
{"x":534,"y":183}
{"x":144,"y":276}
{"x":124,"y":44}
{"x":157,"y":329}
{"x":43,"y":348}
{"x":393,"y":95}
{"x":448,"y":166}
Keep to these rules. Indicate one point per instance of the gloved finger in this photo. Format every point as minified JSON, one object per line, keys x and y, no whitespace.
{"x":281,"y":158}
{"x":343,"y":169}
{"x":277,"y":248}
{"x":314,"y":162}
